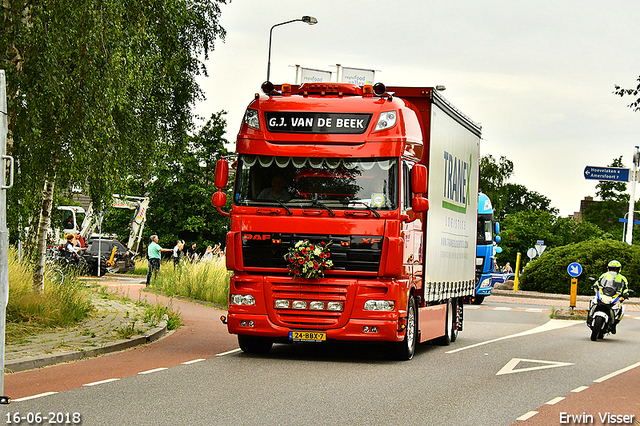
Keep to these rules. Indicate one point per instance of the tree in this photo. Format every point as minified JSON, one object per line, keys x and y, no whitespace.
{"x":522,"y":229}
{"x":614,"y":204}
{"x":635,"y":105}
{"x":508,"y":198}
{"x":97,"y":91}
{"x":181,"y":194}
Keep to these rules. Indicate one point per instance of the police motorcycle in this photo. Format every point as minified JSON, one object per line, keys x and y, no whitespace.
{"x":606,"y":308}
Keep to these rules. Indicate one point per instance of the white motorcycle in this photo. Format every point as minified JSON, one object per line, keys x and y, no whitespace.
{"x":605,"y":310}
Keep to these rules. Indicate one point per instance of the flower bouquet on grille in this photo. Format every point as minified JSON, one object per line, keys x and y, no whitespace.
{"x":309,"y":260}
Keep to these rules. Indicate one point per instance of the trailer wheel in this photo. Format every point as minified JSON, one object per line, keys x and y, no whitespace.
{"x":404,"y":351}
{"x":254,"y":345}
{"x":450,"y":327}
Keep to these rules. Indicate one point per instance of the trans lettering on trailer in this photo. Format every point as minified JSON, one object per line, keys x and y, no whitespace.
{"x":456,"y":183}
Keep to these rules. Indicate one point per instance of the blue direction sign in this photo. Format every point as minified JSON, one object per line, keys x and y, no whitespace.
{"x":606,"y":173}
{"x":574,"y":269}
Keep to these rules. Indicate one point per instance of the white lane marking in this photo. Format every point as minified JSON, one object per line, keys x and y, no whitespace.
{"x":193,"y":361}
{"x":101,"y":382}
{"x":527,"y":416}
{"x":40,"y":395}
{"x":533,"y":310}
{"x":229,"y":352}
{"x":554,"y":401}
{"x":501,"y":308}
{"x":511,"y":365}
{"x":580,"y":389}
{"x":615,"y":373}
{"x":549,"y":326}
{"x":153,"y":371}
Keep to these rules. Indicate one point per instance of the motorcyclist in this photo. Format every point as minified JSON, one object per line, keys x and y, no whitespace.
{"x":613,"y":278}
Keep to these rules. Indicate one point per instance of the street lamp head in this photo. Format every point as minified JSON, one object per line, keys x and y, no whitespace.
{"x":309,"y":20}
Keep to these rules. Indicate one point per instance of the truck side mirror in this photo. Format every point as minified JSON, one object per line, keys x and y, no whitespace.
{"x":222,"y":174}
{"x":497,"y":228}
{"x":419,"y":179}
{"x":419,"y":204}
{"x":497,"y":239}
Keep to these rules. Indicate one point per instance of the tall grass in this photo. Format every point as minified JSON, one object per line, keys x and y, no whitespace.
{"x":28,"y":311}
{"x":205,"y":281}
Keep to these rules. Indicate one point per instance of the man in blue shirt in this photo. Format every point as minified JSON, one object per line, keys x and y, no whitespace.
{"x":155,"y":254}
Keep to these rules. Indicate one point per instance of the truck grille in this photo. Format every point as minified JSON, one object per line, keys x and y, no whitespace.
{"x":348,"y":252}
{"x":308,"y":291}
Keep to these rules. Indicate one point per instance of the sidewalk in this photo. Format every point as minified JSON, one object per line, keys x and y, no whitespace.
{"x":556,"y":300}
{"x":94,"y":336}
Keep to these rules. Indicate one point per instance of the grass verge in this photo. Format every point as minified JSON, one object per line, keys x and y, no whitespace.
{"x":204,"y":281}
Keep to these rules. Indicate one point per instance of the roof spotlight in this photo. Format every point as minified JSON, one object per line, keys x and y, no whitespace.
{"x":379,"y":89}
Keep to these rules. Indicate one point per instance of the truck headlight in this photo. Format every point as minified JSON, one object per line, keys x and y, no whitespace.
{"x":242,"y":299}
{"x":486,"y":283}
{"x":379,"y":305}
{"x":386,"y":120}
{"x":251,"y":118}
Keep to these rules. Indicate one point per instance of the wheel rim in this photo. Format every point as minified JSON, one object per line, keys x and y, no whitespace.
{"x":411,"y":327}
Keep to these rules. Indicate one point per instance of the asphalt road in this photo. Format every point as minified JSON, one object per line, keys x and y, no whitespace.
{"x":504,"y":365}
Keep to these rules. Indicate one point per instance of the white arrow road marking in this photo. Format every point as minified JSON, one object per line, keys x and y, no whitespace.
{"x":551,"y":325}
{"x":511,"y":365}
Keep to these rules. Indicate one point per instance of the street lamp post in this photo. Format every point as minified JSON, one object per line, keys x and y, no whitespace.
{"x":308,"y":19}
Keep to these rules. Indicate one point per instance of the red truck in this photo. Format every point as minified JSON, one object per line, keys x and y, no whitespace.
{"x":353,"y":217}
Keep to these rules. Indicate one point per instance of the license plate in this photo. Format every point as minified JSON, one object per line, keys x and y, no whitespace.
{"x":307,"y":336}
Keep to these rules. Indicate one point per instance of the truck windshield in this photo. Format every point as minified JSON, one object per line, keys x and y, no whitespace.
{"x":354,"y":183}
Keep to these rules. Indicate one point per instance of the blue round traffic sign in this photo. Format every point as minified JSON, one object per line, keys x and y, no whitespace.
{"x":574,"y":269}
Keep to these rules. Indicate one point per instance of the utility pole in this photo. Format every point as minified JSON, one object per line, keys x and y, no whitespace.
{"x":4,"y":233}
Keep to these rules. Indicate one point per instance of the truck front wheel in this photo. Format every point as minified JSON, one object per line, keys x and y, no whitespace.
{"x":404,"y":350}
{"x":254,"y":345}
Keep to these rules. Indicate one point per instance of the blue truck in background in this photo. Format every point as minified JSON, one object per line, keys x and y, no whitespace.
{"x":486,"y":249}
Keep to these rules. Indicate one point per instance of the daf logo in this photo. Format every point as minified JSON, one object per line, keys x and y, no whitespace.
{"x":257,"y":237}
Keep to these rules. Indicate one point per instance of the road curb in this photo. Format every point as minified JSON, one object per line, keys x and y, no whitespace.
{"x":30,"y":363}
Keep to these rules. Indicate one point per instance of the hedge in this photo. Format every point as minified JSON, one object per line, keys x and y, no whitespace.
{"x":548,"y":273}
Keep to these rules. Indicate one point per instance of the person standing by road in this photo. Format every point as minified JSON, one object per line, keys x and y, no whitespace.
{"x":155,"y":254}
{"x":177,"y":251}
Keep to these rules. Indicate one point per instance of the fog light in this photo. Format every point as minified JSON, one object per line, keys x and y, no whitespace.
{"x":282,"y":304}
{"x":374,"y":329}
{"x":318,"y":306}
{"x":251,"y":323}
{"x":299,"y":304}
{"x":242,"y":299}
{"x":365,"y":328}
{"x":379,"y":305}
{"x":243,"y":323}
{"x":334,"y":306}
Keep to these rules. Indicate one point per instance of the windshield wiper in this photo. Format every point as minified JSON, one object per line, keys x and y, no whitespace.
{"x":368,"y":207}
{"x":289,"y":213}
{"x":315,"y":202}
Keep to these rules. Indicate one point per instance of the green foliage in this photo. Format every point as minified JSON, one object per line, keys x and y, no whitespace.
{"x":522,"y":229}
{"x":508,"y":198}
{"x":614,"y":205}
{"x":99,"y":91}
{"x":28,"y":312}
{"x":181,"y":195}
{"x":635,"y":105}
{"x":548,"y":273}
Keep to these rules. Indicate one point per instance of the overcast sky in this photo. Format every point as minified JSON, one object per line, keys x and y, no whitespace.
{"x":538,"y":76}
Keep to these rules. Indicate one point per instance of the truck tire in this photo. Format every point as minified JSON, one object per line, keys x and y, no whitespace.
{"x":450,"y":327}
{"x":404,"y":351}
{"x":596,"y":328}
{"x":254,"y":345}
